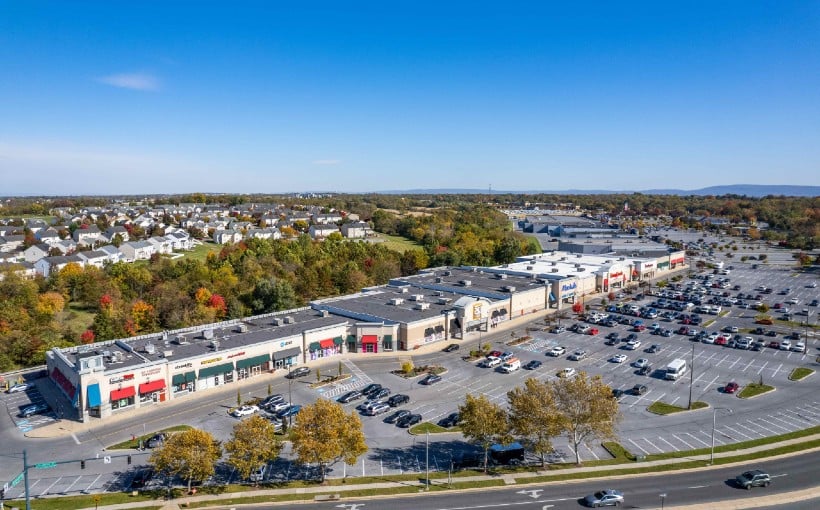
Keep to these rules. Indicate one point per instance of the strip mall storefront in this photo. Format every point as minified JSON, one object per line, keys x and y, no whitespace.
{"x":325,"y":348}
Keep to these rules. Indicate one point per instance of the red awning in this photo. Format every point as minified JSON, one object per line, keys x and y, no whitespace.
{"x":370,"y":339}
{"x":126,"y":392}
{"x":152,"y":386}
{"x":326,"y":344}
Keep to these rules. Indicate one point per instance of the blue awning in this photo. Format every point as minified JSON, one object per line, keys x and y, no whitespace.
{"x":552,"y":298}
{"x":94,"y":399}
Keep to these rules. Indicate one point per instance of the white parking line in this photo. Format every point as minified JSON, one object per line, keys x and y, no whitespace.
{"x":591,"y":452}
{"x":797,"y":416}
{"x":638,"y":446}
{"x":781,"y":420}
{"x":736,"y":431}
{"x":750,"y":364}
{"x":709,"y":435}
{"x":732,"y":366}
{"x":93,"y":483}
{"x":764,"y":366}
{"x":696,"y":439}
{"x":652,"y":444}
{"x":722,"y":360}
{"x":674,"y":448}
{"x":674,"y":400}
{"x":50,"y":486}
{"x":776,"y":370}
{"x":710,"y":383}
{"x":775,"y":425}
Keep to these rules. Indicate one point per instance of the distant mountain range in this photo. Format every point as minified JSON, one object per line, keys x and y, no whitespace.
{"x":749,"y":190}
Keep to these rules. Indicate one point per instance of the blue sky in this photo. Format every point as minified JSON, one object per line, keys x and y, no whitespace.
{"x":241,"y":97}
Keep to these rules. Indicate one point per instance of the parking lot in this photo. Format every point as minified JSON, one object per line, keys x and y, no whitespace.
{"x":17,"y":401}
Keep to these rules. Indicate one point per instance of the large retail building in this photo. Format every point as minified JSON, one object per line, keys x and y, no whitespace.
{"x":105,"y":378}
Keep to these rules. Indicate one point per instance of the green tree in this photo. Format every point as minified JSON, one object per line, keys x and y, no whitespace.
{"x":585,"y":408}
{"x":533,"y":416}
{"x":191,"y":455}
{"x":325,"y":434}
{"x":252,"y":444}
{"x":484,"y":423}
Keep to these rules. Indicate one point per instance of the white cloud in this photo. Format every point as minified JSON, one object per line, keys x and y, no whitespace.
{"x":326,"y":162}
{"x":133,"y":81}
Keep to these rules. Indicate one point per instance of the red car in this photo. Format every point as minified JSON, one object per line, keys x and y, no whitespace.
{"x":730,"y":387}
{"x":497,"y":354}
{"x":721,"y":340}
{"x":778,"y":306}
{"x":774,"y":345}
{"x":592,"y":331}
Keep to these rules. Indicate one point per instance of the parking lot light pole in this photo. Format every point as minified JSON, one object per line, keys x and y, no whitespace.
{"x":714,"y":422}
{"x":290,"y":397}
{"x":427,"y":462}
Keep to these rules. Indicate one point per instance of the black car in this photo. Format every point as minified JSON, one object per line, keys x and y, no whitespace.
{"x":451,"y":420}
{"x":381,"y":393}
{"x":451,"y":348}
{"x":350,"y":396}
{"x":654,"y":348}
{"x":298,"y":372}
{"x":639,"y":389}
{"x":771,"y":333}
{"x":617,"y":393}
{"x":430,"y":379}
{"x":371,"y":388}
{"x":31,"y":409}
{"x":532,"y":365}
{"x":157,"y":440}
{"x":398,"y":415}
{"x":271,"y":400}
{"x":397,"y":400}
{"x":645,"y":370}
{"x":409,"y":420}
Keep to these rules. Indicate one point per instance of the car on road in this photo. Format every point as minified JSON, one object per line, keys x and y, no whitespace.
{"x":15,"y":388}
{"x":567,"y":372}
{"x":639,"y":389}
{"x":532,"y":365}
{"x":371,"y":388}
{"x":556,"y":351}
{"x":397,"y":400}
{"x":730,"y":387}
{"x":298,"y":372}
{"x":640,"y":362}
{"x":753,"y":478}
{"x":244,"y":411}
{"x":430,"y":379}
{"x":350,"y":396}
{"x":606,"y":497}
{"x":398,"y":415}
{"x":451,"y":348}
{"x":451,"y":420}
{"x":32,"y":409}
{"x":618,"y":358}
{"x":409,"y":421}
{"x":654,"y":348}
{"x":578,"y":355}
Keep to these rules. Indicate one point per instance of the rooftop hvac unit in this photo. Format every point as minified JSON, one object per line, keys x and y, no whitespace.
{"x":107,"y":354}
{"x":563,"y":259}
{"x":439,"y":279}
{"x":117,"y":357}
{"x":324,"y":313}
{"x":396,"y":301}
{"x":417,"y":297}
{"x":439,"y":293}
{"x":466,"y":283}
{"x":509,"y":288}
{"x":277,"y":321}
{"x":181,"y":340}
{"x":404,"y":290}
{"x":581,"y":269}
{"x":289,"y":320}
{"x":443,"y":300}
{"x":554,"y":263}
{"x":208,"y":334}
{"x":577,"y":265}
{"x":447,"y":273}
{"x":242,"y":328}
{"x":554,"y":269}
{"x":530,"y":268}
{"x":164,"y":336}
{"x":150,"y":348}
{"x":167,"y":354}
{"x":578,"y":256}
{"x":215,"y":344}
{"x":501,"y":276}
{"x":422,"y":306}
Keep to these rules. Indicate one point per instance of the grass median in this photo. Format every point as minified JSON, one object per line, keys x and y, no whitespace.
{"x":754,"y":389}
{"x":132,"y":444}
{"x":663,"y":408}
{"x":800,"y":373}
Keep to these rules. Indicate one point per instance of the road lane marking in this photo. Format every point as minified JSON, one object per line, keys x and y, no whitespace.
{"x":74,"y":437}
{"x":697,"y":487}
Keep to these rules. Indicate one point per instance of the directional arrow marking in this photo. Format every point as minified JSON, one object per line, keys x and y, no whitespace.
{"x":533,"y":493}
{"x":351,"y":506}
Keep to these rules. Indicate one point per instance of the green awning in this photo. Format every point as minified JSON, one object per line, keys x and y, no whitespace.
{"x":216,"y":369}
{"x":187,"y":377}
{"x":252,"y":362}
{"x":351,"y":338}
{"x":338,"y":340}
{"x":314,"y":346}
{"x":662,"y":264}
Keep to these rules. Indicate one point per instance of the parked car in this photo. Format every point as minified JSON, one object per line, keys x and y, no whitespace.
{"x":350,"y":396}
{"x":409,"y":421}
{"x":606,"y":497}
{"x":490,"y":362}
{"x":617,"y":393}
{"x":556,"y":351}
{"x":558,"y":329}
{"x":506,"y":355}
{"x":371,"y":388}
{"x":244,"y":411}
{"x":430,"y":379}
{"x":298,"y":372}
{"x":15,"y":388}
{"x":382,"y":393}
{"x":640,"y":362}
{"x":290,"y":411}
{"x":271,"y":400}
{"x":494,"y":354}
{"x":578,"y":355}
{"x":645,"y":370}
{"x":397,"y":400}
{"x":398,"y":415}
{"x":377,"y":409}
{"x":754,"y":478}
{"x":618,"y":358}
{"x":451,"y":348}
{"x":639,"y":389}
{"x":654,"y":348}
{"x":451,"y":420}
{"x":532,"y":365}
{"x":567,"y":372}
{"x":157,"y":440}
{"x":633,"y":345}
{"x":32,"y":409}
{"x":730,"y":387}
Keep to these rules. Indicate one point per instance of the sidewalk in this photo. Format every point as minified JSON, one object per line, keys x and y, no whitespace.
{"x":518,"y":479}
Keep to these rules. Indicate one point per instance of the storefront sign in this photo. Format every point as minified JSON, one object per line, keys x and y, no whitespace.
{"x":615,"y":275}
{"x":648,"y":265}
{"x":236,"y":354}
{"x":152,"y":371}
{"x":120,"y":378}
{"x":284,"y":343}
{"x":209,"y":361}
{"x":184,"y":365}
{"x":569,"y":286}
{"x":477,"y":308}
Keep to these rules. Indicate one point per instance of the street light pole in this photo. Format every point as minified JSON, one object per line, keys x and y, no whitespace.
{"x":714,"y":423}
{"x":427,"y":462}
{"x":290,"y":397}
{"x":691,"y":376}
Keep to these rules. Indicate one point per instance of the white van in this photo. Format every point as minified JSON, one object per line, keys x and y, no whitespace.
{"x":258,"y":474}
{"x":511,"y":365}
{"x":675,"y":369}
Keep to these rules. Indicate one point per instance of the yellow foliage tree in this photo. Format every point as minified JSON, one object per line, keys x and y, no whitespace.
{"x":50,"y":303}
{"x":191,"y":455}
{"x":252,"y":444}
{"x":202,"y":295}
{"x":143,"y":316}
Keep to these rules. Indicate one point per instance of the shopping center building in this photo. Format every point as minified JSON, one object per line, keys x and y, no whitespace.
{"x":106,"y":378}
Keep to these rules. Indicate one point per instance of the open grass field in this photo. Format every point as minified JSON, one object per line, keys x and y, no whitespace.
{"x":201,"y":252}
{"x":398,"y":243}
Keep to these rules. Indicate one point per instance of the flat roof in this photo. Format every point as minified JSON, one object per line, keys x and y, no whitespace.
{"x":390,"y":304}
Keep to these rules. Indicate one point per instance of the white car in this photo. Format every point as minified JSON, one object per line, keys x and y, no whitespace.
{"x":244,"y":411}
{"x":641,"y":362}
{"x":557,"y":351}
{"x":633,"y":344}
{"x":793,"y":301}
{"x":799,"y":346}
{"x":567,"y":372}
{"x":618,"y":358}
{"x":20,"y":387}
{"x":785,"y":345}
{"x":279,"y":406}
{"x":578,"y":355}
{"x":492,"y":361}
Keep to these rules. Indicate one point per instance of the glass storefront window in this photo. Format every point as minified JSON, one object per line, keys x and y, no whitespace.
{"x":121,"y":403}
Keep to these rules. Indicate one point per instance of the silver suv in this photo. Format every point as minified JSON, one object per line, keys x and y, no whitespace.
{"x":755,"y":478}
